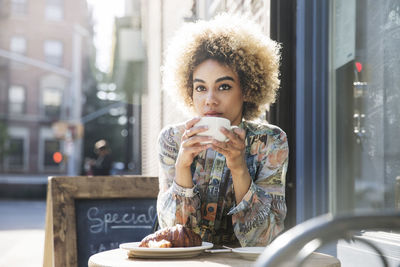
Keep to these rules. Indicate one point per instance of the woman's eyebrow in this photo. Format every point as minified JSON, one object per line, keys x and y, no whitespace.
{"x":224,"y":78}
{"x":198,"y":80}
{"x":229,"y":78}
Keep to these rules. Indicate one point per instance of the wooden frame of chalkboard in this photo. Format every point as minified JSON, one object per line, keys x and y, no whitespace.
{"x":61,"y":247}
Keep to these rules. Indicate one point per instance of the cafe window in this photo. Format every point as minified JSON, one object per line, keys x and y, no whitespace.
{"x":365,"y":119}
{"x":19,"y":7}
{"x":54,"y":9}
{"x":50,"y":147}
{"x":18,"y":45}
{"x":53,"y":52}
{"x":365,"y":95}
{"x":16,"y":100}
{"x":51,"y":99}
{"x":17,"y":149}
{"x":16,"y":153}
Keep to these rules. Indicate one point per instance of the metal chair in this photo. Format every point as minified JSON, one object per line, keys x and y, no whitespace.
{"x":295,"y":245}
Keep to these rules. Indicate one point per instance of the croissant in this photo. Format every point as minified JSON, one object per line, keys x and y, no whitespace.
{"x":177,"y":236}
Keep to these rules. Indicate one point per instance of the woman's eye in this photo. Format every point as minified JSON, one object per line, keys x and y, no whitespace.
{"x":200,"y":88}
{"x":224,"y":87}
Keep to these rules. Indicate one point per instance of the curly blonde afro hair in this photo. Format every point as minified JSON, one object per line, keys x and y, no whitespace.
{"x":234,"y":42}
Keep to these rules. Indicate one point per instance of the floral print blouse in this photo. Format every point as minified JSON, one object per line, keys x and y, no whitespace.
{"x":210,"y":208}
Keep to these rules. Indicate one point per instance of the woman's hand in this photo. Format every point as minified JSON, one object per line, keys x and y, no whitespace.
{"x":190,"y":147}
{"x":234,"y":149}
{"x":234,"y":152}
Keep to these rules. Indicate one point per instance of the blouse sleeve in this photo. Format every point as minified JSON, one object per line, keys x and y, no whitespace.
{"x":175,"y":204}
{"x":259,"y":217}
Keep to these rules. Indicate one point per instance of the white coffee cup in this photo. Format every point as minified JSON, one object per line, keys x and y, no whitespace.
{"x":214,"y":125}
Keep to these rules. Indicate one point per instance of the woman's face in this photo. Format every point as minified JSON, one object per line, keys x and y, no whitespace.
{"x":217,"y":91}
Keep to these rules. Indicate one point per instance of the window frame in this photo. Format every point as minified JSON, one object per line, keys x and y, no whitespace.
{"x":44,"y":106}
{"x":283,"y":111}
{"x":59,"y":62}
{"x":22,"y":103}
{"x":53,"y":164}
{"x":55,"y":82}
{"x":19,"y":5}
{"x":46,"y":133}
{"x":50,"y":6}
{"x":313,"y":146}
{"x":20,"y":133}
{"x":302,"y":109}
{"x":21,"y":37}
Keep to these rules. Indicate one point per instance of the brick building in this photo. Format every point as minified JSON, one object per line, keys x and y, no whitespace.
{"x":44,"y":53}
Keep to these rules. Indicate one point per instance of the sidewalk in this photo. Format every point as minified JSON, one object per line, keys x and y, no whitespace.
{"x":22,"y":232}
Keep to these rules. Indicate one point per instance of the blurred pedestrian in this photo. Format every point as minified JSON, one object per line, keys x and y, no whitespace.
{"x":103,"y":163}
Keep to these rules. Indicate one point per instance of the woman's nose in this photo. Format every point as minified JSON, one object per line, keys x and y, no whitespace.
{"x":211,"y":98}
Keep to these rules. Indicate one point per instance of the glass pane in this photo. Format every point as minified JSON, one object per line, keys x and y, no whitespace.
{"x":19,"y":7}
{"x":16,"y":100}
{"x":365,"y":95}
{"x":50,"y":147}
{"x":51,"y":102}
{"x":51,"y":97}
{"x":16,"y":154}
{"x":18,"y":45}
{"x":55,"y":2}
{"x":53,"y":51}
{"x":54,"y":12}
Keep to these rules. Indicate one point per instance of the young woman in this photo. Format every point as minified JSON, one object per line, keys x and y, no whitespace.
{"x":228,"y":192}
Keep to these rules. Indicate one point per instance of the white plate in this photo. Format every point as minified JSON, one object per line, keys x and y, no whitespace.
{"x":184,"y":252}
{"x":249,"y":253}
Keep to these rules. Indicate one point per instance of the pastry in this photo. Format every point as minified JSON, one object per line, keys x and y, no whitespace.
{"x":175,"y":236}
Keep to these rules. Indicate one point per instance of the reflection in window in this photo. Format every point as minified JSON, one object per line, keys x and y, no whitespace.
{"x":16,"y":153}
{"x":18,"y":45}
{"x":51,"y":102}
{"x":54,"y":9}
{"x":19,"y":7}
{"x":16,"y":100}
{"x":50,"y":147}
{"x":53,"y":52}
{"x":366,"y":63}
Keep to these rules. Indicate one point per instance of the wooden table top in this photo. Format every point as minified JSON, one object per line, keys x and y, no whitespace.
{"x":118,"y":257}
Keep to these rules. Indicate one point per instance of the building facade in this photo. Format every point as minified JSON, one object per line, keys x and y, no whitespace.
{"x":159,"y":20}
{"x":43,"y":54}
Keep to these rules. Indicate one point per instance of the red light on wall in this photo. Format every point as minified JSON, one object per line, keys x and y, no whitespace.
{"x":359,"y":66}
{"x":57,"y":157}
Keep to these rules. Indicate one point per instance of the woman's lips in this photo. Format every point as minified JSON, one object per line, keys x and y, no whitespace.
{"x":212,"y":114}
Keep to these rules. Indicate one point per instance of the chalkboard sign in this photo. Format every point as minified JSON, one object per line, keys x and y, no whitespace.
{"x":86,"y":215}
{"x":103,"y":224}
